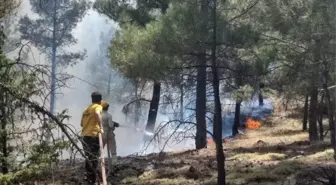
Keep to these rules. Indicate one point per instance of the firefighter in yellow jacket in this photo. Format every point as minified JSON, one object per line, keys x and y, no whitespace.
{"x":109,"y":136}
{"x":91,"y":123}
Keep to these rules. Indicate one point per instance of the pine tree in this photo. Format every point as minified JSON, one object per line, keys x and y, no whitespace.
{"x":51,"y":33}
{"x":125,"y":14}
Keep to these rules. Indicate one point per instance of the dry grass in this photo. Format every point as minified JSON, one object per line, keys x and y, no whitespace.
{"x":283,"y":131}
{"x":267,"y":156}
{"x":262,"y":173}
{"x":259,"y":156}
{"x":275,"y":152}
{"x":323,"y":157}
{"x":162,"y":181}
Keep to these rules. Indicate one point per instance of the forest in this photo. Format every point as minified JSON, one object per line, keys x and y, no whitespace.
{"x":236,"y":92}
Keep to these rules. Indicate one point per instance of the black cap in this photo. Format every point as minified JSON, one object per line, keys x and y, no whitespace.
{"x":96,"y":96}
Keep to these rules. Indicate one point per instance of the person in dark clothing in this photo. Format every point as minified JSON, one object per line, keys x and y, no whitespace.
{"x":91,"y":150}
{"x":91,"y":128}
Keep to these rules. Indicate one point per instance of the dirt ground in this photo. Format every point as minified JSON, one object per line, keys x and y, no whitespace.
{"x":278,"y":153}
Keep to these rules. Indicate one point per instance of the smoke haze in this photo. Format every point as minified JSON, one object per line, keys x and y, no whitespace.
{"x":76,"y":96}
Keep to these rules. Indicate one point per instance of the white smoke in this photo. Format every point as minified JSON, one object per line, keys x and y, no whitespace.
{"x":77,"y":96}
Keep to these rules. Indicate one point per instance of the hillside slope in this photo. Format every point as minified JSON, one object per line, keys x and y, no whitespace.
{"x":277,"y":153}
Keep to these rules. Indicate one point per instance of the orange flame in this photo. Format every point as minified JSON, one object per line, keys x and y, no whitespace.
{"x":210,"y":141}
{"x":252,"y":124}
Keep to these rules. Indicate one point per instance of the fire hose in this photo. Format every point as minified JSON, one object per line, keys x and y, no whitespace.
{"x":102,"y":163}
{"x":108,"y":148}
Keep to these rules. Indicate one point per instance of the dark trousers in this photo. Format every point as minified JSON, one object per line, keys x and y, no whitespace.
{"x":91,"y":150}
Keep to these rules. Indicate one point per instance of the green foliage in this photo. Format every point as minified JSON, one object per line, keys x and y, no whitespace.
{"x":32,"y":173}
{"x":153,"y":51}
{"x":53,"y":27}
{"x":2,"y":40}
{"x":135,"y":51}
{"x":243,"y":93}
{"x":45,"y":152}
{"x":7,"y":7}
{"x":25,"y":158}
{"x":297,"y":28}
{"x":26,"y":83}
{"x":124,"y":12}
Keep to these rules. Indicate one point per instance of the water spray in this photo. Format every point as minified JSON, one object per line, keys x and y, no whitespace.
{"x":137,"y":129}
{"x":147,"y":135}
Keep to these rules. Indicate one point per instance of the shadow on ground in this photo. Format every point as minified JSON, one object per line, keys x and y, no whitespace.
{"x":291,"y":150}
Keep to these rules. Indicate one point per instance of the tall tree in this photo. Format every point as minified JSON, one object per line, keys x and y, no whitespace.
{"x":125,"y":13}
{"x":13,"y":112}
{"x":313,"y":136}
{"x":305,"y":113}
{"x":52,"y":33}
{"x":236,"y":122}
{"x":21,"y":84}
{"x":217,"y":128}
{"x":134,"y":53}
{"x":115,"y":88}
{"x":306,"y":28}
{"x":200,"y":139}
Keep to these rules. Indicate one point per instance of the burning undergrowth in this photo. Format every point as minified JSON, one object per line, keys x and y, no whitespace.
{"x":251,"y":117}
{"x":174,"y":135}
{"x":252,"y":124}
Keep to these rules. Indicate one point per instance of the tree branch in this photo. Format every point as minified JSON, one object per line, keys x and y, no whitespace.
{"x":126,"y":107}
{"x":42,"y":110}
{"x":244,"y":11}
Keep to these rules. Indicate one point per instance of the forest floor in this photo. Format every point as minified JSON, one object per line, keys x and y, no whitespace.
{"x":278,"y":153}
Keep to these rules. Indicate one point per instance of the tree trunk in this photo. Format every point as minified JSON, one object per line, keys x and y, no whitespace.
{"x":320,"y":117}
{"x":217,"y":128}
{"x":47,"y":132}
{"x":200,"y":139}
{"x":153,"y":107}
{"x":182,"y":100}
{"x":236,"y":123}
{"x":331,"y":121}
{"x":313,"y":115}
{"x":108,"y":90}
{"x":137,"y":112}
{"x":305,"y":114}
{"x":330,"y":107}
{"x":3,"y":136}
{"x":4,"y":164}
{"x":53,"y":61}
{"x":260,"y":95}
{"x":238,"y":79}
{"x":260,"y":98}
